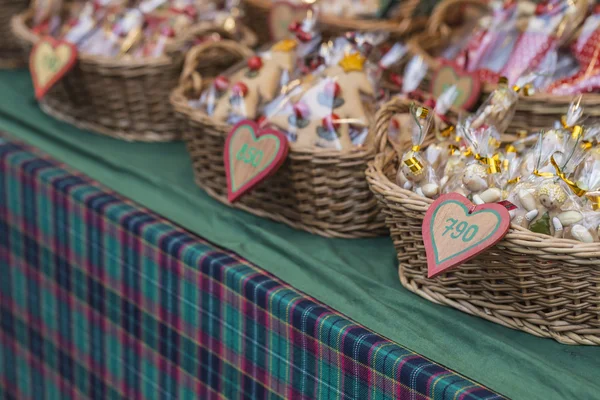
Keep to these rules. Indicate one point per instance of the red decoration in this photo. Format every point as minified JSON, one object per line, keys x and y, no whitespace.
{"x":221,"y":83}
{"x":303,"y":36}
{"x":332,"y":89}
{"x":396,"y":79}
{"x":255,"y":63}
{"x":295,"y":26}
{"x":240,"y":89}
{"x":331,"y":122}
{"x":301,"y":110}
{"x":541,"y":8}
{"x":168,"y":31}
{"x":260,"y":121}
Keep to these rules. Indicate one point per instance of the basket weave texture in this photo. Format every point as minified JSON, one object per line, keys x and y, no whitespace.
{"x":404,"y":23}
{"x":11,"y":53}
{"x":120,"y":97}
{"x":531,"y":282}
{"x":322,"y":192}
{"x":534,"y":112}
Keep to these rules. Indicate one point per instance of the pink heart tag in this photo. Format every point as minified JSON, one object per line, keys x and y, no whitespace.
{"x":455,"y":230}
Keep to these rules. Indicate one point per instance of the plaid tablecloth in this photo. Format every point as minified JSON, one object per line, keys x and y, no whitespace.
{"x":102,"y":299}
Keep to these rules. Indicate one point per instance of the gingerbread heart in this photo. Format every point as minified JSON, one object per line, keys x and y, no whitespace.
{"x":251,"y":154}
{"x":282,"y":14}
{"x":467,"y":84}
{"x":455,"y":230}
{"x":49,"y":61}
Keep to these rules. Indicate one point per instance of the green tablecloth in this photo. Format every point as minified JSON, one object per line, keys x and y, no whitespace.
{"x":357,"y":277}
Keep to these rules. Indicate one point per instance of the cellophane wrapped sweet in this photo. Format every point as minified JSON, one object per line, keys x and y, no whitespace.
{"x":550,"y":180}
{"x":136,"y":29}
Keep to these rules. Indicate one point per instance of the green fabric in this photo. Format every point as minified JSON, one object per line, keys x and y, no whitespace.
{"x":357,"y":277}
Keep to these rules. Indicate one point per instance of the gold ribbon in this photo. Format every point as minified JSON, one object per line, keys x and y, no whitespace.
{"x":576,"y":130}
{"x":452,"y":149}
{"x":493,"y":163}
{"x":536,"y":172}
{"x":527,"y":90}
{"x":595,"y":202}
{"x":494,"y":142}
{"x":416,"y":148}
{"x":586,"y":144}
{"x":446,"y":132}
{"x":576,"y":189}
{"x":510,"y":148}
{"x":513,"y":180}
{"x":414,"y":165}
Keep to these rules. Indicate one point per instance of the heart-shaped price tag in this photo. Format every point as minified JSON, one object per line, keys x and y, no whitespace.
{"x":467,"y":84}
{"x":282,"y":14}
{"x":49,"y":61}
{"x":455,"y":230}
{"x":251,"y":154}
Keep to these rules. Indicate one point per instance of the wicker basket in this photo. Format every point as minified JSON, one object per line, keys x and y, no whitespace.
{"x":257,"y":17}
{"x":531,"y":282}
{"x":123,"y":98}
{"x":11,"y":53}
{"x":323,"y":192}
{"x":538,"y":111}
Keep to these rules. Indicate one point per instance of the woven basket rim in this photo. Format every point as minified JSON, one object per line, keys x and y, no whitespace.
{"x":380,"y":182}
{"x":180,"y":104}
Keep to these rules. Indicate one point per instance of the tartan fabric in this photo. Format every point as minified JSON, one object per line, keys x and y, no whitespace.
{"x":103,"y":299}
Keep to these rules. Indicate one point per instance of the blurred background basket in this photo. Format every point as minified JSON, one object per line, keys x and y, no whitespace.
{"x":409,"y":17}
{"x":531,"y":282}
{"x":125,"y":98}
{"x":317,"y":190}
{"x":534,"y":112}
{"x":11,"y":53}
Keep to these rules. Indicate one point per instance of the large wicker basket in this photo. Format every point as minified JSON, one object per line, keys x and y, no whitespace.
{"x":322,"y":192}
{"x":404,"y":22}
{"x":531,"y":282}
{"x":11,"y":53}
{"x":538,"y":111}
{"x":124,"y":98}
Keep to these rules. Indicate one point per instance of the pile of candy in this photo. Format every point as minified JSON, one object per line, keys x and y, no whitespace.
{"x":550,"y":180}
{"x":321,"y":95}
{"x":556,"y":39}
{"x":139,"y":29}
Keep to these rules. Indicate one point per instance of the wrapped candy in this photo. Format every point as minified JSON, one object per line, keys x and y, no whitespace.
{"x":113,"y":28}
{"x":550,"y":202}
{"x":415,"y":172}
{"x":496,"y":111}
{"x":553,"y":24}
{"x":480,"y":179}
{"x":332,"y":107}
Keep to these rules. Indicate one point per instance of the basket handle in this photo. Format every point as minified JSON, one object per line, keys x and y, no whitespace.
{"x":190,"y":79}
{"x":384,"y":116}
{"x":437,"y":21}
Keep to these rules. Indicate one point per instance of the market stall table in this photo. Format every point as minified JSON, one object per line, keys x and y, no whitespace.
{"x":358,"y":278}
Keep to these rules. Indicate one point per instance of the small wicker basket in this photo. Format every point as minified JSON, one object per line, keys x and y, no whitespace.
{"x":538,"y":111}
{"x":11,"y":53}
{"x":322,"y":192}
{"x":124,"y":98}
{"x":531,"y":282}
{"x":404,"y":22}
